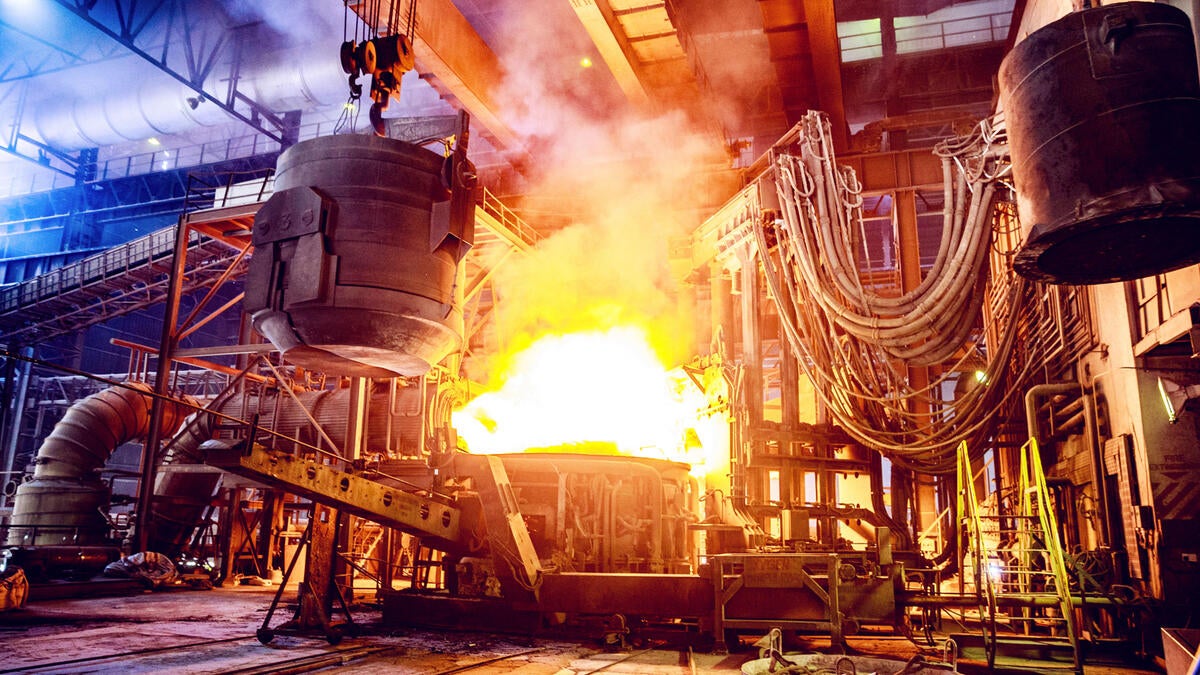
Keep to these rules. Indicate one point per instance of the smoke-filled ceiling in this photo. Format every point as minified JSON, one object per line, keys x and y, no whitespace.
{"x":531,"y":73}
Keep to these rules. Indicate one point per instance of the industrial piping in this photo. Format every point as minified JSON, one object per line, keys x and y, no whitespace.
{"x":62,"y":504}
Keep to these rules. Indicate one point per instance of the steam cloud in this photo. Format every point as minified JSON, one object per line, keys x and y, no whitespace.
{"x":623,"y":174}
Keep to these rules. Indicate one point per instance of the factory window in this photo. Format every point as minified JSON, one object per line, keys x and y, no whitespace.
{"x":956,"y":26}
{"x":989,"y":467}
{"x":878,"y":252}
{"x":961,"y":24}
{"x":930,"y":210}
{"x":773,"y":491}
{"x":860,"y":40}
{"x":1153,"y":303}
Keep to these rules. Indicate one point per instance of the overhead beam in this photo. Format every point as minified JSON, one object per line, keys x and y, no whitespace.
{"x":52,"y":55}
{"x":807,"y":57}
{"x":187,"y":50}
{"x":603,"y":27}
{"x":447,"y":47}
{"x":827,"y":67}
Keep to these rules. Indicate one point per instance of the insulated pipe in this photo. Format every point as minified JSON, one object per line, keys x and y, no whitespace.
{"x":944,"y":297}
{"x":1098,"y":472}
{"x":1031,"y":402}
{"x":844,"y":280}
{"x":62,"y":504}
{"x":903,"y":538}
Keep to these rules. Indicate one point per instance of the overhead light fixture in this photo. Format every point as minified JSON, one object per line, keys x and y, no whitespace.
{"x":585,"y":62}
{"x":1175,"y":397}
{"x":153,"y":141}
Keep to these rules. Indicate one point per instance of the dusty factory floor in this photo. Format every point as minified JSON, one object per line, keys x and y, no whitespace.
{"x":214,"y":632}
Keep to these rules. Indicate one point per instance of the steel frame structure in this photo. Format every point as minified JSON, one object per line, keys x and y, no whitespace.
{"x":204,"y":55}
{"x":197,"y":53}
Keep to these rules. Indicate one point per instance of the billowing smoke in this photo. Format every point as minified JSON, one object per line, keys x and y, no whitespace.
{"x":292,"y":23}
{"x":623,"y":175}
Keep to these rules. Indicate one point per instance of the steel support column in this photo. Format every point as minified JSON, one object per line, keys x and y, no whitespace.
{"x":906,"y":488}
{"x":752,"y":357}
{"x":172,"y":330}
{"x":17,"y":407}
{"x":162,"y":378}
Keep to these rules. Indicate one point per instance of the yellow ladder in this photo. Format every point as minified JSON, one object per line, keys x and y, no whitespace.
{"x":1040,"y":548}
{"x":1016,"y":563}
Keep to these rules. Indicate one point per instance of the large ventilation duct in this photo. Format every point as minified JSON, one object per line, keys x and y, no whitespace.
{"x":63,"y":503}
{"x":153,"y":104}
{"x":356,"y":256}
{"x":1107,"y":175}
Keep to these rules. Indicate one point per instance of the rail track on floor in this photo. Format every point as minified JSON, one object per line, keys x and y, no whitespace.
{"x":151,"y":658}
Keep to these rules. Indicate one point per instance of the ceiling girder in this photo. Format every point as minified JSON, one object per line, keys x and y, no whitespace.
{"x":603,"y":26}
{"x":189,"y":50}
{"x":448,"y":48}
{"x":30,"y":53}
{"x":827,"y":67}
{"x":803,"y":40}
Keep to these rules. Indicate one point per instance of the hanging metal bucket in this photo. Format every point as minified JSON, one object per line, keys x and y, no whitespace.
{"x":355,"y":258}
{"x":1103,"y":115}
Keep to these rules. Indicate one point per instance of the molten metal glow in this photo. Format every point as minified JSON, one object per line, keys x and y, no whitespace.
{"x":588,"y":388}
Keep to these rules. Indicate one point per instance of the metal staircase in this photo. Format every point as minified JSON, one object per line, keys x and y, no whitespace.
{"x":1015,"y":562}
{"x":120,"y":280}
{"x":134,"y":275}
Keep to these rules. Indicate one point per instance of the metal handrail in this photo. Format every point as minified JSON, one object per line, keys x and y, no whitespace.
{"x":492,"y":205}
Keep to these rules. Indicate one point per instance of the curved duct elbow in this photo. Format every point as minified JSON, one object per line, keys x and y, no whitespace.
{"x":61,"y":505}
{"x":91,"y":429}
{"x":63,"y":502}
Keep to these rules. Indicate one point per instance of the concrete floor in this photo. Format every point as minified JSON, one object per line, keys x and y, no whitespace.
{"x":183,"y":631}
{"x":213,"y":631}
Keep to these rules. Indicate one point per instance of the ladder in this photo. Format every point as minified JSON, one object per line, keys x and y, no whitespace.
{"x":1016,"y":564}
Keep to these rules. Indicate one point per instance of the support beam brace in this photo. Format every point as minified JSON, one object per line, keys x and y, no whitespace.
{"x":439,"y":525}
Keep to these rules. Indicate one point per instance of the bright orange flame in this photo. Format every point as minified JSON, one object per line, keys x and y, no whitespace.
{"x":587,"y":388}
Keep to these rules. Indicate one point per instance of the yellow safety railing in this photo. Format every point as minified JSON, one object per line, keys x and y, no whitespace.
{"x":1025,"y":559}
